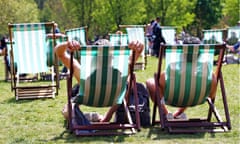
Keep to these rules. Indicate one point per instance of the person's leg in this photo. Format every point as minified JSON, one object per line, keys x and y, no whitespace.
{"x":150,"y":84}
{"x":109,"y":114}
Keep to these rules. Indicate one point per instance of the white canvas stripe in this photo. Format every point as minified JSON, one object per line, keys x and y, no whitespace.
{"x":204,"y":75}
{"x":87,"y":72}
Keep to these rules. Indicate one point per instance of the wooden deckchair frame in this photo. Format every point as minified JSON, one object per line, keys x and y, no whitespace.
{"x":32,"y":91}
{"x":107,"y":128}
{"x":194,"y":125}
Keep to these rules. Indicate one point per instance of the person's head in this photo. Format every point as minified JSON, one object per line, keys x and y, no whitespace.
{"x":151,"y":22}
{"x":158,"y":19}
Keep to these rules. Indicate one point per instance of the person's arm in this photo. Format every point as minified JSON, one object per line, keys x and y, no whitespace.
{"x":61,"y":52}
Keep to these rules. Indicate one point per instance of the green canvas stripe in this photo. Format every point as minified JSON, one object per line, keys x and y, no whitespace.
{"x":188,"y":78}
{"x":104,"y":74}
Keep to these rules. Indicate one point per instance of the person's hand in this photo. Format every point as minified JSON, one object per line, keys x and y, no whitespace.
{"x":136,"y":46}
{"x":73,"y":45}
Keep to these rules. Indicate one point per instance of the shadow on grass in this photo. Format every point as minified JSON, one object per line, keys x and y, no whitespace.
{"x":156,"y":133}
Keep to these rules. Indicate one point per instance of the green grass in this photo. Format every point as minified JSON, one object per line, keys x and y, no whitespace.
{"x":40,"y":121}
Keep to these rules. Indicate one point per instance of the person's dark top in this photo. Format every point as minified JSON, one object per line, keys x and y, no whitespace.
{"x":157,"y":31}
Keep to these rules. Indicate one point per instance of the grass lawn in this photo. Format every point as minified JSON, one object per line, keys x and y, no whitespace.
{"x":40,"y":121}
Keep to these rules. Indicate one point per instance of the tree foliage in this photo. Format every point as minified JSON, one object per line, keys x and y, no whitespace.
{"x":231,"y":11}
{"x":20,"y":11}
{"x":105,"y":16}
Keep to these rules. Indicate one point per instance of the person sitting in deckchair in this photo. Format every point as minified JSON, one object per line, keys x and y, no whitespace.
{"x":61,"y":52}
{"x":150,"y":84}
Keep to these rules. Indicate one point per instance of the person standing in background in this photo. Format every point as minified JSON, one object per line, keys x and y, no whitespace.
{"x":157,"y":36}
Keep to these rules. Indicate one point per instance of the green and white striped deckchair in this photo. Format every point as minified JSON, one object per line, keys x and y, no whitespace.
{"x":118,"y":39}
{"x":79,"y":34}
{"x":50,"y":48}
{"x":28,"y":56}
{"x":168,"y":33}
{"x":103,"y":82}
{"x":213,"y":36}
{"x":137,"y":32}
{"x":188,"y":79}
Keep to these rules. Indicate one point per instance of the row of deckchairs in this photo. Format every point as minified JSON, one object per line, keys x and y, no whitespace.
{"x":108,"y":79}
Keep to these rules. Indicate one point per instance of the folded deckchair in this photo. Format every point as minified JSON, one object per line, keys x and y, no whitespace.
{"x":137,"y":32}
{"x":106,"y":80}
{"x":28,"y":57}
{"x":188,"y":78}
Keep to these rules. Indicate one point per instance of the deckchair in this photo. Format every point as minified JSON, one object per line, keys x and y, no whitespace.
{"x":104,"y":73}
{"x":118,"y":39}
{"x":28,"y":56}
{"x":79,"y":34}
{"x":137,"y":32}
{"x":214,"y":36}
{"x":188,"y":73}
{"x":233,"y":36}
{"x":168,"y":33}
{"x":51,"y":58}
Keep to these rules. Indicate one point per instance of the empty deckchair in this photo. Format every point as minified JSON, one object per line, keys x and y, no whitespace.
{"x":103,"y":77}
{"x":188,"y":77}
{"x":213,"y":36}
{"x":169,"y":33}
{"x":137,"y":32}
{"x":28,"y":57}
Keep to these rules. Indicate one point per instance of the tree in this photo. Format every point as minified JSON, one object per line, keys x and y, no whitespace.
{"x":208,"y":13}
{"x":231,"y":11}
{"x":20,"y":11}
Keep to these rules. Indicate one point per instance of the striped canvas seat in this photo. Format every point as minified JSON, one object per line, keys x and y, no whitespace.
{"x":105,"y":80}
{"x":104,"y":76}
{"x":79,"y":34}
{"x":119,"y":39}
{"x":28,"y":56}
{"x":168,"y":33}
{"x":137,"y":32}
{"x":213,"y":36}
{"x":50,"y":48}
{"x":188,"y":81}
